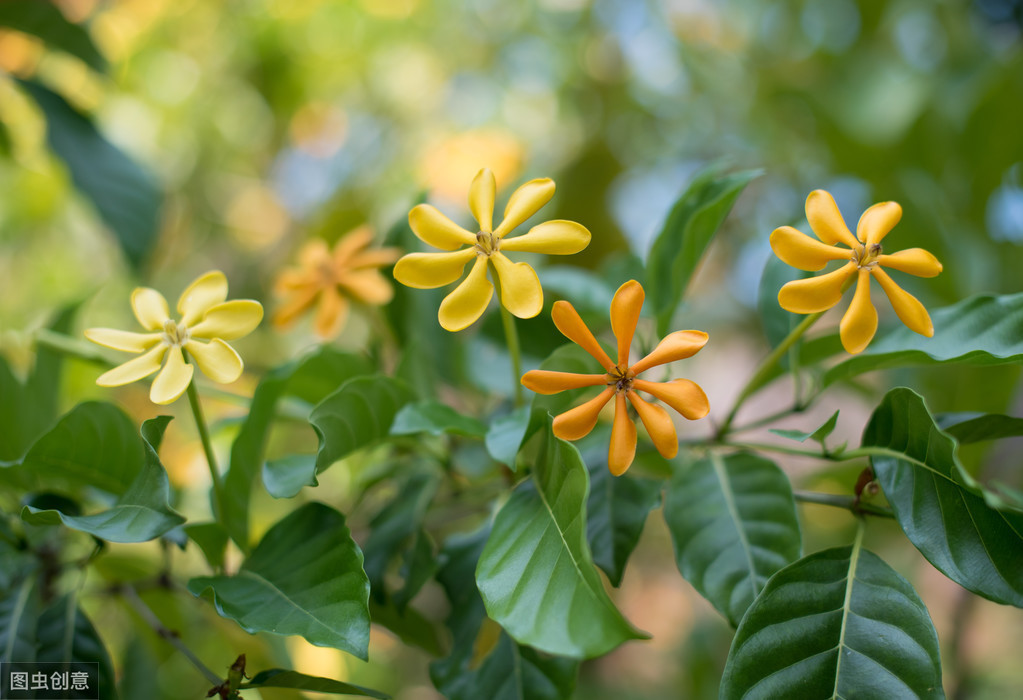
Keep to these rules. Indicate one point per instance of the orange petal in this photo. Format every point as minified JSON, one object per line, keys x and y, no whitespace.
{"x":623,"y":439}
{"x":314,"y":254}
{"x":877,"y":221}
{"x":578,"y":422}
{"x":544,"y":381}
{"x":908,"y":308}
{"x":367,"y":286}
{"x":436,"y":229}
{"x":293,"y":278}
{"x":915,"y":261}
{"x":826,"y":221}
{"x":373,"y":257}
{"x":294,"y":306}
{"x":676,"y":346}
{"x":815,"y":293}
{"x":799,"y":250}
{"x":658,"y":425}
{"x":567,"y":320}
{"x":481,"y":199}
{"x":625,"y":308}
{"x":350,"y":244}
{"x":330,"y":314}
{"x":860,"y":320}
{"x":683,"y":395}
{"x":524,"y":202}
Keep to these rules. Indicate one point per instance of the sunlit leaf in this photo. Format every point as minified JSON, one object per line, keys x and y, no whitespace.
{"x":282,"y":678}
{"x":46,"y":21}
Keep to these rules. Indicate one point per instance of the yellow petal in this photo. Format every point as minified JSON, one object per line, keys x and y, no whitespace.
{"x":683,"y":395}
{"x":524,"y":202}
{"x":296,"y":304}
{"x":229,"y":320}
{"x":815,"y":293}
{"x":571,"y":325}
{"x":135,"y":369}
{"x":826,"y":221}
{"x":675,"y":346}
{"x":150,"y":308}
{"x":206,"y":291}
{"x":331,"y":314}
{"x":877,"y":221}
{"x":429,"y":270}
{"x":350,"y":244}
{"x":915,"y":261}
{"x":558,"y":237}
{"x":578,"y":422}
{"x":623,"y":439}
{"x":908,"y":308}
{"x":367,"y":286}
{"x":122,"y":340}
{"x":860,"y":320}
{"x":658,"y":425}
{"x":438,"y":230}
{"x":544,"y":381}
{"x":481,"y":199}
{"x":216,"y":359}
{"x":172,"y":380}
{"x":468,"y":301}
{"x":521,"y":292}
{"x":799,"y":250}
{"x":625,"y":308}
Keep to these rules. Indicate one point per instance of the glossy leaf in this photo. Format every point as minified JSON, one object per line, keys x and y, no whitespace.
{"x":66,"y":634}
{"x":776,"y":321}
{"x":212,"y":540}
{"x":304,"y":577}
{"x":733,"y":522}
{"x":435,"y":418}
{"x":819,"y":435}
{"x":505,"y":435}
{"x":285,"y":477}
{"x":282,"y":678}
{"x":979,"y":427}
{"x":836,"y":624}
{"x":45,"y":21}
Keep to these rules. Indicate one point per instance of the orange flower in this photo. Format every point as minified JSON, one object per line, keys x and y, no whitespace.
{"x":349,"y":272}
{"x":621,"y":381}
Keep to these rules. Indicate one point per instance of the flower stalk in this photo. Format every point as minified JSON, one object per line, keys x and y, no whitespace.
{"x":207,"y":447}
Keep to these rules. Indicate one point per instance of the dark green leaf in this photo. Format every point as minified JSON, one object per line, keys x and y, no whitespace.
{"x":410,"y":626}
{"x":19,"y":615}
{"x":941,"y":510}
{"x":66,"y":634}
{"x":436,"y":418}
{"x":305,"y":577}
{"x":505,"y":435}
{"x":281,"y":678}
{"x":212,"y":540}
{"x":776,"y":321}
{"x":836,"y":624}
{"x":818,"y":435}
{"x":285,"y":477}
{"x":418,"y":566}
{"x":978,"y":427}
{"x":46,"y":21}
{"x":733,"y":521}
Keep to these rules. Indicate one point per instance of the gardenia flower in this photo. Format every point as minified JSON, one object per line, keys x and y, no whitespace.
{"x":330,"y":279}
{"x":520,"y":289}
{"x":621,"y":381}
{"x":865,"y":259}
{"x":205,"y":316}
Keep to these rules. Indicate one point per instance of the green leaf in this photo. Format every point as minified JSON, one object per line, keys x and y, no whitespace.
{"x":836,"y":624}
{"x":142,"y":512}
{"x":19,"y":616}
{"x":436,"y":418}
{"x":981,"y":330}
{"x":819,"y":435}
{"x":410,"y":626}
{"x":282,"y":678}
{"x":418,"y":566}
{"x":126,"y":195}
{"x":212,"y":540}
{"x":305,"y":577}
{"x":536,"y":574}
{"x":65,"y":634}
{"x":588,"y":291}
{"x":941,"y":510}
{"x":45,"y":21}
{"x":776,"y":321}
{"x":692,"y":222}
{"x":506,"y":434}
{"x":733,"y":522}
{"x":967,"y":428}
{"x":285,"y":477}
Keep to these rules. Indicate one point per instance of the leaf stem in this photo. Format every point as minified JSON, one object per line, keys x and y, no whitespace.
{"x":207,"y":446}
{"x":850,"y":503}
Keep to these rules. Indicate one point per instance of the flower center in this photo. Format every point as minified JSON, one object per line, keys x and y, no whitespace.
{"x":175,"y":335}
{"x":620,"y":378}
{"x":865,"y":257}
{"x":487,"y":243}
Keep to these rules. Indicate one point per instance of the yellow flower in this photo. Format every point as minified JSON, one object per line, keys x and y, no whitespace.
{"x":205,"y":316}
{"x":521,"y":293}
{"x":347,"y":272}
{"x":865,"y":259}
{"x":621,"y":381}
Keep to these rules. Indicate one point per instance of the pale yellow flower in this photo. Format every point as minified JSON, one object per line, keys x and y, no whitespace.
{"x":205,"y":316}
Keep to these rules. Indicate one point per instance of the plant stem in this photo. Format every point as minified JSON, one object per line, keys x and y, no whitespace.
{"x":759,"y":422}
{"x":207,"y":446}
{"x":512,"y":337}
{"x":849,"y":503}
{"x":816,"y":454}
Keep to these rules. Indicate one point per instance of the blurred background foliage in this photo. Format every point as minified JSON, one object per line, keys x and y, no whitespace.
{"x":208,"y":133}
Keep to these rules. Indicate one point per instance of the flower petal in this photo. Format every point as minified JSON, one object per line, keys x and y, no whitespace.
{"x":799,"y":250}
{"x":625,"y":308}
{"x":578,"y":422}
{"x":908,"y":308}
{"x":521,"y":292}
{"x":915,"y":261}
{"x":216,"y":359}
{"x":544,"y":381}
{"x":623,"y":439}
{"x":294,"y":278}
{"x":429,"y":270}
{"x":314,"y":254}
{"x":524,"y":202}
{"x":683,"y":395}
{"x":436,"y":229}
{"x":367,"y":286}
{"x":374,"y":257}
{"x":815,"y":293}
{"x":463,"y":307}
{"x":675,"y":346}
{"x":481,"y":199}
{"x":173,"y":379}
{"x":331,"y":314}
{"x":150,"y":308}
{"x":859,"y":323}
{"x":229,"y":320}
{"x":206,"y":291}
{"x":571,"y":325}
{"x":826,"y":221}
{"x":558,"y":237}
{"x":658,"y":425}
{"x":134,"y":369}
{"x":877,"y":221}
{"x":122,"y":340}
{"x":349,"y":245}
{"x":295,"y":305}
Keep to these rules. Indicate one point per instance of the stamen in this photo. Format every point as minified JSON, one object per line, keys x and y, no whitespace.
{"x":487,"y":243}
